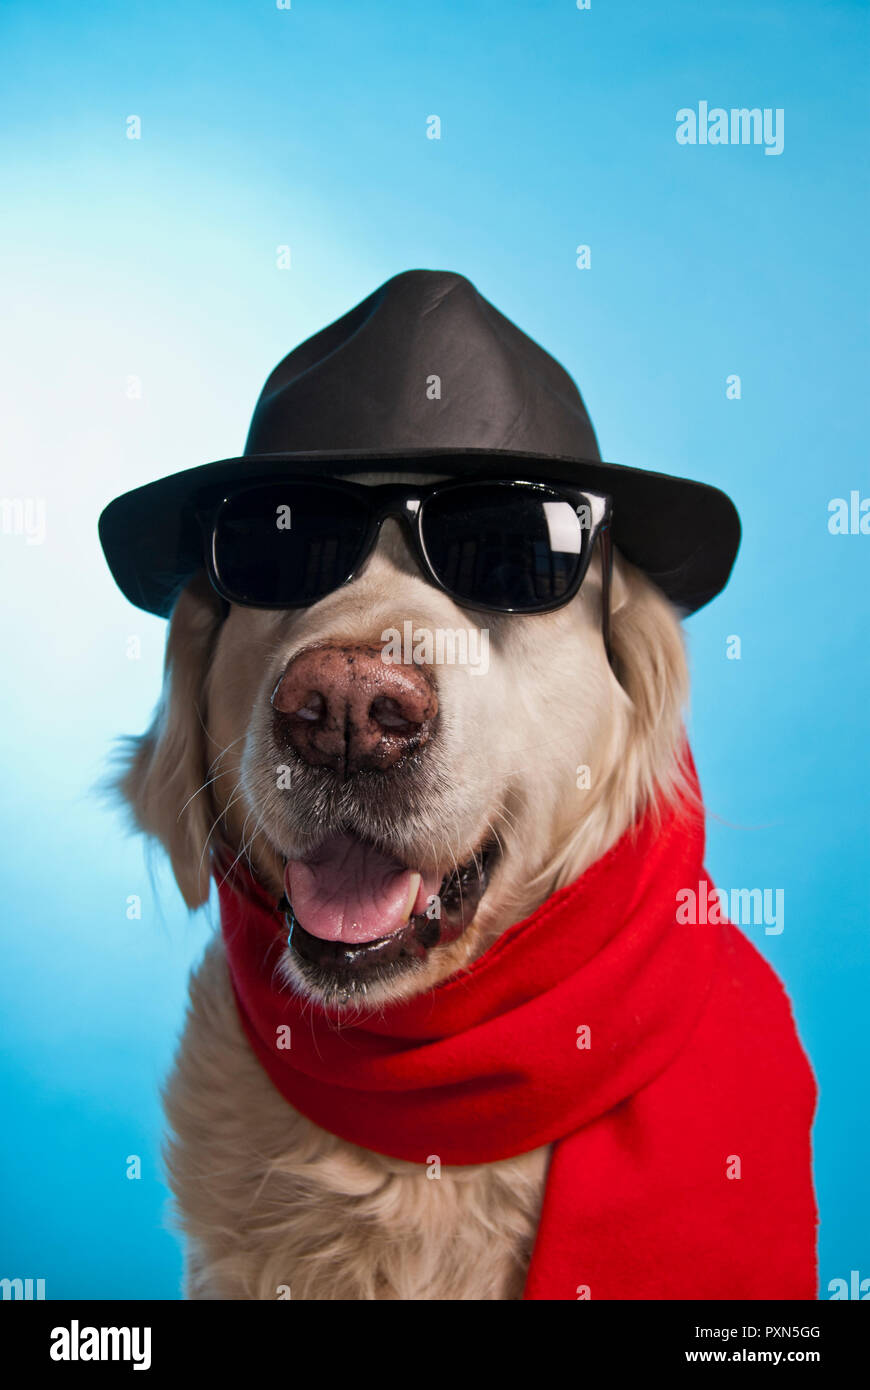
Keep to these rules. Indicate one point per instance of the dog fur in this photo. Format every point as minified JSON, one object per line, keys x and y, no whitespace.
{"x":273,"y":1206}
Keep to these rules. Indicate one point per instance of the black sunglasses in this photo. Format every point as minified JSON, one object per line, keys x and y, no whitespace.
{"x":502,"y":546}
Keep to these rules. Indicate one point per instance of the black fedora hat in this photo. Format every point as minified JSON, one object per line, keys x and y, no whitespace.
{"x":425,"y":376}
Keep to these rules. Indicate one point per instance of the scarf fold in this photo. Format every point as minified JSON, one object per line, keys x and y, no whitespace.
{"x":659,"y":1059}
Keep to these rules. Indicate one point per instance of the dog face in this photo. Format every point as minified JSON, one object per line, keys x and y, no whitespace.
{"x":413,"y":776}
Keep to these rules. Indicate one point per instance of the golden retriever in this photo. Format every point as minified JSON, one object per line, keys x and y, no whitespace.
{"x":272,"y":1205}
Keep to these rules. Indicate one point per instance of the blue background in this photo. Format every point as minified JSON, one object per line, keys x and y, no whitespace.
{"x":157,"y":258}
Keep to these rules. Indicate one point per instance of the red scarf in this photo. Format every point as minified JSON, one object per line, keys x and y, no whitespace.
{"x":680,"y":1121}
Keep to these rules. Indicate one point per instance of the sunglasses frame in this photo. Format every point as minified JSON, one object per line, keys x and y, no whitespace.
{"x":406,"y":503}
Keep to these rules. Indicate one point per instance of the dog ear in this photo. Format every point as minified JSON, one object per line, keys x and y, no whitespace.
{"x":650,"y":664}
{"x":166,"y":768}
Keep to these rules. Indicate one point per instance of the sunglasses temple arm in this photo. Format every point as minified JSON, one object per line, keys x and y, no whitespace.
{"x":606,"y":575}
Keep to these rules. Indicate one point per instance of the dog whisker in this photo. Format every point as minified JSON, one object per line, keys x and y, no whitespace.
{"x":213,"y":769}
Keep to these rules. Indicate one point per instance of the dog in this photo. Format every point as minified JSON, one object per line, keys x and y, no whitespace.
{"x":331,"y":746}
{"x":266,"y":1198}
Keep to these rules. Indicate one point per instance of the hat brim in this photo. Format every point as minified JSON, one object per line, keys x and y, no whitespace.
{"x":683,"y":534}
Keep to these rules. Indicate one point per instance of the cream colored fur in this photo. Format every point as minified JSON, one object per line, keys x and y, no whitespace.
{"x":273,"y":1203}
{"x":269,"y":1202}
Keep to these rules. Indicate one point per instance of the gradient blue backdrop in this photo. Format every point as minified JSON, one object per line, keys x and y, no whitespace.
{"x":157,"y":258}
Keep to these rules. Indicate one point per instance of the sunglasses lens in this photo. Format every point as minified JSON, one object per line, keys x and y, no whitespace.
{"x":517,"y":548}
{"x":287,"y":544}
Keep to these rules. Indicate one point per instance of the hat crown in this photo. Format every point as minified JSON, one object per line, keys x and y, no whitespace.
{"x":424,"y":362}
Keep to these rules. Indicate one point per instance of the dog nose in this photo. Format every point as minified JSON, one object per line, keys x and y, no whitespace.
{"x":348,"y":709}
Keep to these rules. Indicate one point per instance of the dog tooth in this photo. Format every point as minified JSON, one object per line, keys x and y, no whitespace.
{"x":413,"y":890}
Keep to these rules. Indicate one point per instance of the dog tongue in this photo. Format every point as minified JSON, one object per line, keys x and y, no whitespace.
{"x":350,"y":891}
